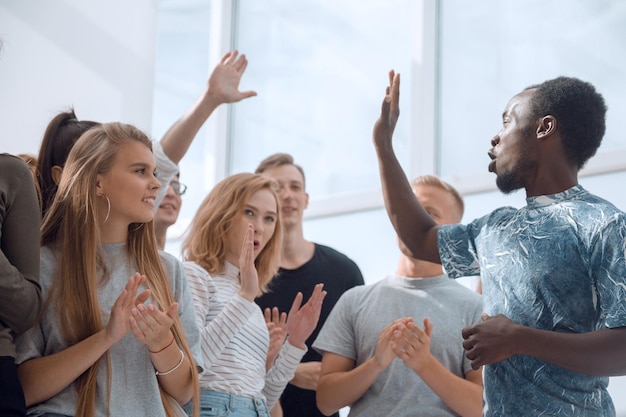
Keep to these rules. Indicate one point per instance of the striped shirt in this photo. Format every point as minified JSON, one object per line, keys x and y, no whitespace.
{"x":234,"y":339}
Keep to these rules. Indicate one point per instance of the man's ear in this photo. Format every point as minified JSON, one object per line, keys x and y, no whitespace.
{"x":306,"y":200}
{"x":56,"y":172}
{"x":547,"y":126}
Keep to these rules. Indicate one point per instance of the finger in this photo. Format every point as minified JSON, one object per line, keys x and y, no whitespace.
{"x":283,"y":319}
{"x":485,"y":317}
{"x":142,"y":297}
{"x":428,"y":327}
{"x":267,"y":315}
{"x":391,"y":74}
{"x":172,"y":312}
{"x":144,"y":320}
{"x":248,"y":94}
{"x":137,"y":331}
{"x":297,"y":302}
{"x":395,"y":85}
{"x":468,"y":331}
{"x":240,"y":63}
{"x":227,"y":56}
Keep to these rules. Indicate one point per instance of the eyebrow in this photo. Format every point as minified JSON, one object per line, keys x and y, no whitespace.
{"x":141,"y":165}
{"x":251,"y":207}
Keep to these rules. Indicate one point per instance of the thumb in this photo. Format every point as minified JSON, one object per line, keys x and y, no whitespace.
{"x":142,"y":298}
{"x":173,"y":311}
{"x":485,"y":317}
{"x":428,"y":327}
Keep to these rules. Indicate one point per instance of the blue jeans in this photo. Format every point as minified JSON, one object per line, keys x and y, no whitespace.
{"x":219,"y":404}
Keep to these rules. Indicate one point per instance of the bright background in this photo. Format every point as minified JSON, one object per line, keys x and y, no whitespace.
{"x":320,"y":69}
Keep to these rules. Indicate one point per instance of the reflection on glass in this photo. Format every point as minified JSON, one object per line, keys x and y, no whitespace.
{"x":492,"y":49}
{"x":320,"y":69}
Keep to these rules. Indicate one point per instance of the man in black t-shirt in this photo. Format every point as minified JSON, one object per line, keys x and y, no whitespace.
{"x":303,"y":264}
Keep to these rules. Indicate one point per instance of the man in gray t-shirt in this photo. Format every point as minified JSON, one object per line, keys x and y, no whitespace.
{"x":379,"y":360}
{"x":553,"y":272}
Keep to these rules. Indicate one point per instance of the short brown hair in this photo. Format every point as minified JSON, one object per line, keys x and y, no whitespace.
{"x":435,"y":181}
{"x":277,"y":160}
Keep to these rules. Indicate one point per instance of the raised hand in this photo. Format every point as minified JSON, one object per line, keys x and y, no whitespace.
{"x":151,"y":326}
{"x":302,"y":321}
{"x":119,"y":321}
{"x":277,"y":327}
{"x":225,"y":78}
{"x":412,"y":344}
{"x":490,"y":341}
{"x":390,"y":111}
{"x":247,"y":271}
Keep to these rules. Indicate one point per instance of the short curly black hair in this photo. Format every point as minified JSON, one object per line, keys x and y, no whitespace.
{"x":579,"y":110}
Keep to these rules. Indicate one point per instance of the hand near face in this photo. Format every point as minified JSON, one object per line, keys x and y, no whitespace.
{"x":247,"y":271}
{"x":225,"y":78}
{"x":390,"y":111}
{"x":277,"y":327}
{"x":412,"y":344}
{"x":489,"y":341}
{"x":302,"y":321}
{"x":119,"y":321}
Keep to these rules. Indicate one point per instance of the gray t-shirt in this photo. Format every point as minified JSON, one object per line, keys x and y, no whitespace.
{"x":557,"y":264}
{"x":354,"y":324}
{"x":134,"y":386}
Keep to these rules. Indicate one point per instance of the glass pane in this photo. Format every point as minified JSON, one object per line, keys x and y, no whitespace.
{"x":320,"y":69}
{"x":492,"y":49}
{"x":181,"y":73}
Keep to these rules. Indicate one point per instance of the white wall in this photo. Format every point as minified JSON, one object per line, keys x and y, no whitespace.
{"x":95,"y":56}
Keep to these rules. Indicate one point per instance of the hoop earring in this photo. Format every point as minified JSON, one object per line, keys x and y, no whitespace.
{"x":108,"y":209}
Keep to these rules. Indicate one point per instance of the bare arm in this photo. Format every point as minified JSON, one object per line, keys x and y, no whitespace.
{"x":412,"y":223}
{"x":222,"y":87}
{"x":597,"y":353}
{"x":341,"y":383}
{"x":463,"y":395}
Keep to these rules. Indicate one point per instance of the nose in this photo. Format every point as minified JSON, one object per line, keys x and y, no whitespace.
{"x":495,"y":140}
{"x":258,"y":226}
{"x":156,"y":184}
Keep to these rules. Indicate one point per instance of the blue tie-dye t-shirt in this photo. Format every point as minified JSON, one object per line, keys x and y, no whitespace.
{"x":557,"y":264}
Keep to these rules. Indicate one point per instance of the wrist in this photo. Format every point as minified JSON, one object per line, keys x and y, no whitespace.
{"x":156,"y":349}
{"x":295,"y":342}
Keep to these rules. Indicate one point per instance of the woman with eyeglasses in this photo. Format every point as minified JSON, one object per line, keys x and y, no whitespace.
{"x":167,"y":212}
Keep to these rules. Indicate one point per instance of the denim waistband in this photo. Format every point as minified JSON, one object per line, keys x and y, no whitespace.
{"x":234,"y":401}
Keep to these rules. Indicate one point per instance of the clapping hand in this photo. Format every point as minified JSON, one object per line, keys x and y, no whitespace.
{"x":277,"y":327}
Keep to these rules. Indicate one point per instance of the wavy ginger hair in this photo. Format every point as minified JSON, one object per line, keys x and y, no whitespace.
{"x":73,"y":229}
{"x":206,"y":239}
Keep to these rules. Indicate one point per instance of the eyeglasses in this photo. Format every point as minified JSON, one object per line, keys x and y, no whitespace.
{"x":178,"y":188}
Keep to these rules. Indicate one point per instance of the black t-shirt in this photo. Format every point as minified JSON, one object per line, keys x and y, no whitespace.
{"x":338,"y":273}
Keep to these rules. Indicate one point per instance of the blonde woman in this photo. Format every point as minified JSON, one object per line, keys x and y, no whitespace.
{"x":232,"y":252}
{"x":107,"y":344}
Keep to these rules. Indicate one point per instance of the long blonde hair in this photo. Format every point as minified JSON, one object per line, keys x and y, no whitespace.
{"x":205,"y":243}
{"x":71,"y":227}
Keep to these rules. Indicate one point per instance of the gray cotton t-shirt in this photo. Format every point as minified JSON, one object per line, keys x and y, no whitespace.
{"x":134,"y":386}
{"x":354,"y":324}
